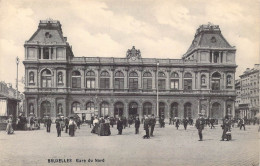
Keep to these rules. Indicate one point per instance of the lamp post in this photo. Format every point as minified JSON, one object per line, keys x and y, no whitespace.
{"x":17,"y":63}
{"x":157,"y":91}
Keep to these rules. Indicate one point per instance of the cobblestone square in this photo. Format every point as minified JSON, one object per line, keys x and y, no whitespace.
{"x":168,"y":147}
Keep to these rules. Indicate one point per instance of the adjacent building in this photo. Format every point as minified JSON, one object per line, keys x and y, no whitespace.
{"x":248,"y":92}
{"x":57,"y":82}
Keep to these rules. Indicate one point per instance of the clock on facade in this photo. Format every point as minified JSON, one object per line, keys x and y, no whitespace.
{"x":133,"y":58}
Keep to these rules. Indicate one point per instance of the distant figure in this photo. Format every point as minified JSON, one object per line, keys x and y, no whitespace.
{"x":48,"y":123}
{"x":137,"y":125}
{"x":242,"y":124}
{"x":72,"y":127}
{"x":9,"y":128}
{"x":146,"y":127}
{"x":226,"y":129}
{"x":212,"y":121}
{"x":177,"y":123}
{"x":124,"y":120}
{"x":58,"y":126}
{"x":119,"y":126}
{"x":66,"y":124}
{"x":185,"y":123}
{"x":91,"y":121}
{"x":152,"y":124}
{"x":200,"y":125}
{"x":170,"y":120}
{"x":112,"y":121}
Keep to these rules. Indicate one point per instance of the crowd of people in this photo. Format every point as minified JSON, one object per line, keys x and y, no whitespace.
{"x":101,"y":125}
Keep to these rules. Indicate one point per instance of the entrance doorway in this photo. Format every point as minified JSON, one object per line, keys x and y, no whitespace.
{"x":45,"y":109}
{"x":133,"y":109}
{"x":118,"y":109}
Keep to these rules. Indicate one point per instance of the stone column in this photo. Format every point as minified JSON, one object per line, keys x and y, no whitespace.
{"x":199,"y":80}
{"x":54,"y":53}
{"x":224,"y":110}
{"x":181,"y":84}
{"x":112,"y":79}
{"x":50,"y":53}
{"x":168,"y":80}
{"x":41,"y":52}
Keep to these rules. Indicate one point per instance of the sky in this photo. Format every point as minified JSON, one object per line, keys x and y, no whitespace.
{"x":160,"y":29}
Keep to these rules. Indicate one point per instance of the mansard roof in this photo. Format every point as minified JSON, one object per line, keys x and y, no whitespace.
{"x":49,"y":31}
{"x":209,"y":36}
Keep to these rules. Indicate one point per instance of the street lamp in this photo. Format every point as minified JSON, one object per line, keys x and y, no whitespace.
{"x":17,"y":63}
{"x":157,"y":90}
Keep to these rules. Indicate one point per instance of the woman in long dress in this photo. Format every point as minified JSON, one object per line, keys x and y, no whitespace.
{"x":9,"y":128}
{"x":72,"y":127}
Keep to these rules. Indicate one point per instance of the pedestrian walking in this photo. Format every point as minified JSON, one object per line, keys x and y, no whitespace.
{"x":48,"y":123}
{"x":91,"y":121}
{"x":177,"y":123}
{"x":170,"y":120}
{"x":137,"y":125}
{"x":212,"y":121}
{"x":9,"y":128}
{"x":242,"y":124}
{"x":152,"y":124}
{"x":120,"y":126}
{"x":66,"y":124}
{"x":72,"y":127}
{"x":185,"y":123}
{"x":226,"y":129}
{"x":200,"y":125}
{"x":58,"y":126}
{"x":146,"y":127}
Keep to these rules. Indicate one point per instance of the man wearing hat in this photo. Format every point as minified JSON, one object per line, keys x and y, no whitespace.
{"x":49,"y":124}
{"x":152,"y":124}
{"x":200,"y":125}
{"x":58,"y":126}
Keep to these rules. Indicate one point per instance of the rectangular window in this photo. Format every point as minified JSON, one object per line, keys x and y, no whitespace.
{"x":215,"y":84}
{"x":187,"y":84}
{"x":76,"y":82}
{"x":147,"y":84}
{"x":174,"y":84}
{"x":161,"y":84}
{"x":90,"y":83}
{"x":133,"y":83}
{"x":104,"y":83}
{"x":119,"y":83}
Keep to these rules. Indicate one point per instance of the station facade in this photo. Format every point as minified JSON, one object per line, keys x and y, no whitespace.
{"x":57,"y":82}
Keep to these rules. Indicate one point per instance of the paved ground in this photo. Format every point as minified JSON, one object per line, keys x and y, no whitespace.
{"x":168,"y":147}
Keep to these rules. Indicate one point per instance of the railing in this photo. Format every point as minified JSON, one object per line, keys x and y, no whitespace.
{"x":149,"y":91}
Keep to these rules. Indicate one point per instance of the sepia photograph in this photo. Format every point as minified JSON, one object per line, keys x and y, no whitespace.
{"x":129,"y":82}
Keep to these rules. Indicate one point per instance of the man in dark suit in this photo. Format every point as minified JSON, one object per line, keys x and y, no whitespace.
{"x":58,"y":126}
{"x":146,"y":127}
{"x":49,"y":124}
{"x":137,"y":125}
{"x":66,"y":125}
{"x":200,"y":125}
{"x":185,"y":123}
{"x":119,"y":126}
{"x":152,"y":124}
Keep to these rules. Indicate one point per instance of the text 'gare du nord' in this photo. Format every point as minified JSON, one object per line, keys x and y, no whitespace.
{"x":57,"y":82}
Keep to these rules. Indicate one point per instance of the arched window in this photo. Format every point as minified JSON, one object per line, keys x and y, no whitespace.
{"x":90,"y":106}
{"x":147,"y":108}
{"x":161,"y":109}
{"x":31,"y":77}
{"x":161,"y":81}
{"x":46,"y":78}
{"x":45,"y":109}
{"x":187,"y":81}
{"x":133,"y":81}
{"x":104,"y":109}
{"x":60,"y":78}
{"x":187,"y":110}
{"x":174,"y":81}
{"x":203,"y":80}
{"x":118,"y":109}
{"x":104,"y":80}
{"x":147,"y":81}
{"x":119,"y":80}
{"x":215,"y":81}
{"x":90,"y":79}
{"x":75,"y":107}
{"x":174,"y":110}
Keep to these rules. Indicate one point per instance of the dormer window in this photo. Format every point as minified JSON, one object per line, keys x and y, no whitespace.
{"x":213,"y":40}
{"x":47,"y":35}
